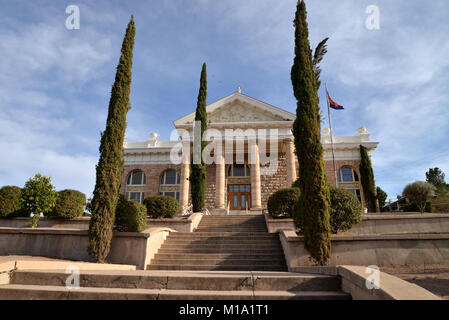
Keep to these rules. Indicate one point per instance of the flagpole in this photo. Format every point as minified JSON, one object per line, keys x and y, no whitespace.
{"x":331,"y":132}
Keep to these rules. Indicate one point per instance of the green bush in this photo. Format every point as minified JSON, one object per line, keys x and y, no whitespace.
{"x":413,"y":207}
{"x":161,"y":206}
{"x":10,"y":205}
{"x":281,"y":203}
{"x":69,"y":204}
{"x":130,"y":216}
{"x":345,"y":211}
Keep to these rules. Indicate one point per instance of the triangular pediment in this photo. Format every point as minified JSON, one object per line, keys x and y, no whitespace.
{"x":238,"y":107}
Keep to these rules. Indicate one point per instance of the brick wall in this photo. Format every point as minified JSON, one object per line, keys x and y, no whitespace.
{"x":153,"y":174}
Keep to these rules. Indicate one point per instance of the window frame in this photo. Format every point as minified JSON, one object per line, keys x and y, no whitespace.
{"x":246,"y":169}
{"x":143,"y":180}
{"x":354,"y":175}
{"x":163,"y":179}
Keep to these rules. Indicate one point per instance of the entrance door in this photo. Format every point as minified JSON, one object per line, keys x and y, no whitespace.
{"x":239,"y":196}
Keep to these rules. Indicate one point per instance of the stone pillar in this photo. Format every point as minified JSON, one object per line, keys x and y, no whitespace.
{"x":185,"y":174}
{"x":256,"y":198}
{"x":220,"y":177}
{"x":291,"y":161}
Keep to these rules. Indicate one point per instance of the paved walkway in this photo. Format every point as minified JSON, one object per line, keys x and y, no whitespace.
{"x":434,"y":278}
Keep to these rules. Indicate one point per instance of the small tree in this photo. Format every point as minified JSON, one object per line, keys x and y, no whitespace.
{"x":110,"y":165}
{"x":313,"y":204}
{"x":198,"y":174}
{"x":435,"y":176}
{"x":367,"y":179}
{"x":419,"y":192}
{"x":38,"y":195}
{"x":381,"y":197}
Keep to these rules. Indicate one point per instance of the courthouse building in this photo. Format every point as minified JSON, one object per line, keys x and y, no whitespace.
{"x":250,"y":133}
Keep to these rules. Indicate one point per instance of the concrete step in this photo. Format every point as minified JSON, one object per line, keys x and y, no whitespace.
{"x":249,"y":256}
{"x":223,"y":250}
{"x":30,"y":292}
{"x":230,"y":229}
{"x":220,"y":262}
{"x":216,"y":267}
{"x":258,"y":281}
{"x":224,"y":246}
{"x":224,"y":241}
{"x":240,"y":235}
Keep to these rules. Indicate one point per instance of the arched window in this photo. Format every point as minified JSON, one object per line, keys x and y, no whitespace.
{"x":169,"y":184}
{"x":170,"y":177}
{"x":346,"y":174}
{"x":136,"y":178}
{"x":239,"y":170}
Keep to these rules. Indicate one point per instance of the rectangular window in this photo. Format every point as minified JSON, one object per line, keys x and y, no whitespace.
{"x":239,"y":170}
{"x":137,"y":177}
{"x":135,"y":196}
{"x":170,"y":177}
{"x":347,"y":174}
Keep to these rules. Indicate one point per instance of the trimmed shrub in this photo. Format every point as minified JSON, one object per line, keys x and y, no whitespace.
{"x":281,"y":203}
{"x":345,"y":211}
{"x":69,"y":204}
{"x":419,"y":192}
{"x":413,"y":207}
{"x":10,"y":205}
{"x":130,"y":216}
{"x":161,"y":206}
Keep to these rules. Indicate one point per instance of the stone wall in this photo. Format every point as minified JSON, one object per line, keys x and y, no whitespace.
{"x":271,"y":183}
{"x":210,"y":186}
{"x":378,"y":250}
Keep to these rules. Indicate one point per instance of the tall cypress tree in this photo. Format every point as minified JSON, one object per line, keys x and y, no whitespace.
{"x":313,"y":205}
{"x":198,"y":173}
{"x":110,"y":165}
{"x":367,"y":179}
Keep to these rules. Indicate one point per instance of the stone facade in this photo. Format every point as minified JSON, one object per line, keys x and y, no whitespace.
{"x":235,"y":118}
{"x":271,"y":183}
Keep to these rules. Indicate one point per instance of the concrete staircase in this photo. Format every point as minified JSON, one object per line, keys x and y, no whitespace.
{"x":233,"y":242}
{"x":172,"y":285}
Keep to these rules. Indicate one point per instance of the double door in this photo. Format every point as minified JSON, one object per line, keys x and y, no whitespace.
{"x":239,"y":196}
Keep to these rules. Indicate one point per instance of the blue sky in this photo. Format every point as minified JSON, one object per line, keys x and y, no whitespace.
{"x":55,"y":83}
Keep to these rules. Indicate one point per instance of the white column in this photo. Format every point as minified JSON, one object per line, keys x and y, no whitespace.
{"x":291,"y":163}
{"x":220,"y":177}
{"x":256,"y":198}
{"x":185,"y":174}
